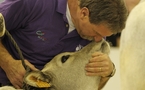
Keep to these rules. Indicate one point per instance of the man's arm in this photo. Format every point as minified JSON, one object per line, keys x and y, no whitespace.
{"x":100,"y":65}
{"x":5,"y":57}
{"x":104,"y":80}
{"x":13,"y":68}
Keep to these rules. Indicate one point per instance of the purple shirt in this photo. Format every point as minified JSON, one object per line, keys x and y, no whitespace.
{"x":40,"y":28}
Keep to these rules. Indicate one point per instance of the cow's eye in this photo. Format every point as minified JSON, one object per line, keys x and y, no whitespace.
{"x":64,"y":58}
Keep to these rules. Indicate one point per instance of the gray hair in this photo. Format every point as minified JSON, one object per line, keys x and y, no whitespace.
{"x":112,"y":13}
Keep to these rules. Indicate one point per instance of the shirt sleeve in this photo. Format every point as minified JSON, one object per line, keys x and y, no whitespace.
{"x":13,"y":11}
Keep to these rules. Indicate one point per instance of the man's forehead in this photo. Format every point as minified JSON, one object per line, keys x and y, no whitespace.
{"x":102,"y":30}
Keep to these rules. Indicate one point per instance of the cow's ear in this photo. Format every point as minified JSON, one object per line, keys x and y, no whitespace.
{"x":36,"y":79}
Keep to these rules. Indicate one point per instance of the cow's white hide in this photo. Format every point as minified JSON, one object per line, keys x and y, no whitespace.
{"x":70,"y":75}
{"x":132,"y":50}
{"x":7,"y":88}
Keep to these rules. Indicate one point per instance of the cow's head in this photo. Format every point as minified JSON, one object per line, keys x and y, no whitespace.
{"x":66,"y":70}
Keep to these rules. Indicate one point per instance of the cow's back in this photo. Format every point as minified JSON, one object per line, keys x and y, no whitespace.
{"x":132,"y":50}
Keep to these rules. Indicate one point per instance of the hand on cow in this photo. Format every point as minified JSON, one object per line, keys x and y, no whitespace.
{"x":99,"y":65}
{"x":15,"y":72}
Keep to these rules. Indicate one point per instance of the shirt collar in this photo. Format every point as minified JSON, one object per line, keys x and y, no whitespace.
{"x":71,"y":25}
{"x":61,"y":6}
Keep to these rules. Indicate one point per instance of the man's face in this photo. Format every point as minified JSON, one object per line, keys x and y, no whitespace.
{"x":88,"y":30}
{"x":93,"y":32}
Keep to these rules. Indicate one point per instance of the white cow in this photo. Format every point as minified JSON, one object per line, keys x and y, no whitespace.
{"x":66,"y":71}
{"x":132,"y":50}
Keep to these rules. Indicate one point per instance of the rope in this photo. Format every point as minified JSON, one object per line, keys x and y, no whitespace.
{"x":3,"y":32}
{"x":17,"y":48}
{"x":20,"y":56}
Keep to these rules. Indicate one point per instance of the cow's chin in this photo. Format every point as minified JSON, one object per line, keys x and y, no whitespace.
{"x":37,"y":79}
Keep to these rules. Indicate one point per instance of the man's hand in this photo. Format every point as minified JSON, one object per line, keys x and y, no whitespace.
{"x":99,"y":65}
{"x":13,"y":68}
{"x":15,"y":72}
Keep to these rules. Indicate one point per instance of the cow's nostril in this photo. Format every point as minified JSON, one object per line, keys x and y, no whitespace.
{"x":64,"y":58}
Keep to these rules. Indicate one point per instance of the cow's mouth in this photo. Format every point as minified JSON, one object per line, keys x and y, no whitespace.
{"x":36,"y":79}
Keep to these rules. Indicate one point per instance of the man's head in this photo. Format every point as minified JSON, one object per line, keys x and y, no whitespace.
{"x":95,"y":19}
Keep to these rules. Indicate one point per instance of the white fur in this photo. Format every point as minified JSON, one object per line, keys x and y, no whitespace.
{"x":7,"y":88}
{"x":132,"y":50}
{"x":71,"y":74}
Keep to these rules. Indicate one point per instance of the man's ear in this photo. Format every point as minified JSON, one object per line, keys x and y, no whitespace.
{"x":84,"y":13}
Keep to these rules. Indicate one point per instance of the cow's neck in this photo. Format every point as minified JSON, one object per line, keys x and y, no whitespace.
{"x":93,"y":85}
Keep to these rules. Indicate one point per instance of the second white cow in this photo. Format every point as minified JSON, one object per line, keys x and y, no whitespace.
{"x":132,"y":50}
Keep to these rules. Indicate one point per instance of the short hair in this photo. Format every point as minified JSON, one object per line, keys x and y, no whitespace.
{"x":112,"y":13}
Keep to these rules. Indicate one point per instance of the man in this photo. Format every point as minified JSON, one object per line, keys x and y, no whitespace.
{"x":45,"y":28}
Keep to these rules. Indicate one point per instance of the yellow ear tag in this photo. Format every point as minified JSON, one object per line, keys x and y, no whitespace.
{"x":40,"y":83}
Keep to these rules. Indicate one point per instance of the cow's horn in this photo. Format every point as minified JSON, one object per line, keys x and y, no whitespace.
{"x":2,"y":25}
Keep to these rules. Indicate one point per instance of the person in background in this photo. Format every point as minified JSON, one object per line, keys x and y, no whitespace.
{"x":45,"y":28}
{"x":130,"y":4}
